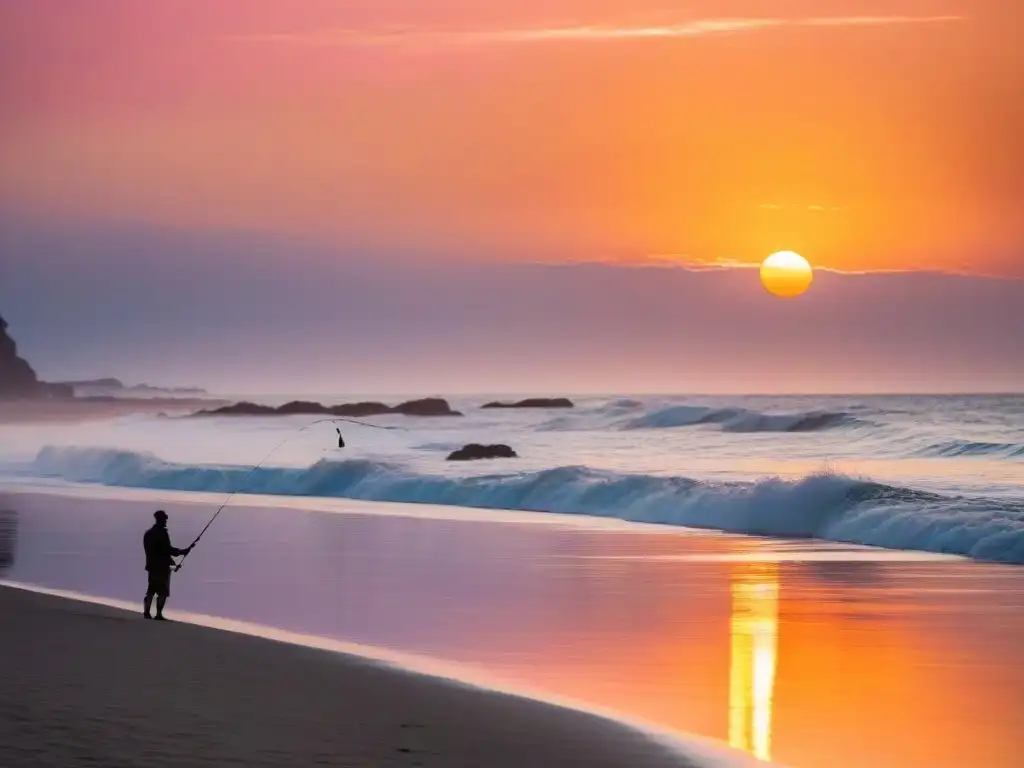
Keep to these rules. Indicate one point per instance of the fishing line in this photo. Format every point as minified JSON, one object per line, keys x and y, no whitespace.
{"x":265,"y":459}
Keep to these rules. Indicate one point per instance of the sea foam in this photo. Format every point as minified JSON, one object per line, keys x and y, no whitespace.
{"x":824,"y":506}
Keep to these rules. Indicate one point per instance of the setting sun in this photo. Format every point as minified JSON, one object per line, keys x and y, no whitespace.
{"x":786,"y":274}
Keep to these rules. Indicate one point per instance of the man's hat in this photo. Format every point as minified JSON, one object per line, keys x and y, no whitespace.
{"x":160,"y":515}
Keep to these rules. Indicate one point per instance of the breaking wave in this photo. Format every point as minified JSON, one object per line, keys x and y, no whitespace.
{"x":823,"y":506}
{"x":744,"y":420}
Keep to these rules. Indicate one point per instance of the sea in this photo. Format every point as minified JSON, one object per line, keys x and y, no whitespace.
{"x":941,"y":474}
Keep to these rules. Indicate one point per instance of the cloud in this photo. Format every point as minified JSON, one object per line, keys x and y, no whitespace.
{"x":246,"y":313}
{"x":690,"y":263}
{"x":581,"y":33}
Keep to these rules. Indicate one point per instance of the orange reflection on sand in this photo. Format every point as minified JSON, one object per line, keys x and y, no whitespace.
{"x":754,"y":630}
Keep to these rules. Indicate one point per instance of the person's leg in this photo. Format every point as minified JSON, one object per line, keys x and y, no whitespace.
{"x":150,"y":590}
{"x":163,"y":593}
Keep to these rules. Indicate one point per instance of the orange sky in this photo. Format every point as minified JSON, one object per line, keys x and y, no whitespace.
{"x":871,"y":134}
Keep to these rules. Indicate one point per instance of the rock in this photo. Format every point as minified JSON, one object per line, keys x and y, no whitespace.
{"x":475,"y":451}
{"x":303,"y":407}
{"x":433,"y":406}
{"x":108,"y":383}
{"x":535,"y":402}
{"x":151,"y":388}
{"x":357,"y":410}
{"x":428,"y":406}
{"x":240,"y":409}
{"x":112,"y":386}
{"x":17,"y":379}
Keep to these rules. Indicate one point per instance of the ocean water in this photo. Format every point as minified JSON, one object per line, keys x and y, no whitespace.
{"x":934,"y":473}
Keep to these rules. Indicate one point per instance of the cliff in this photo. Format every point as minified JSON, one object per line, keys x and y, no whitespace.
{"x":17,"y":379}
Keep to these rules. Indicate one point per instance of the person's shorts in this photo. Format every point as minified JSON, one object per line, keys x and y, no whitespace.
{"x":160,"y":583}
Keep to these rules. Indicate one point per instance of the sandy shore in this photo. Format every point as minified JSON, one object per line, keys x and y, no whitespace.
{"x":803,"y":653}
{"x":84,"y":684}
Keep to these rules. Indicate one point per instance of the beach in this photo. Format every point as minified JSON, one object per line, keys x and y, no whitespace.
{"x":801,"y":653}
{"x":86,"y":684}
{"x":527,"y":384}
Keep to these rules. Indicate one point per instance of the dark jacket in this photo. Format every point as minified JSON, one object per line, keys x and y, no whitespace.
{"x":157,"y":543}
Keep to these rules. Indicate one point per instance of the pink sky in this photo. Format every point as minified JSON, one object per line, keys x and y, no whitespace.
{"x":867,"y":135}
{"x":330,"y":195}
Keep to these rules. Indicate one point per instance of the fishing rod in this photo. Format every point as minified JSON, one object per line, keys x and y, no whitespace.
{"x":265,"y":459}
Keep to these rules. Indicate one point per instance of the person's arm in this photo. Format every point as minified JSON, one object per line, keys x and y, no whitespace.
{"x":170,"y":549}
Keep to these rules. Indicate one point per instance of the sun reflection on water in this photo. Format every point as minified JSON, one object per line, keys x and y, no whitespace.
{"x":754,"y":639}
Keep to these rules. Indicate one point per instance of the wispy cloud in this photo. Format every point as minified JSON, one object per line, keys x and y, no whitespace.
{"x":581,"y":33}
{"x":688,"y":263}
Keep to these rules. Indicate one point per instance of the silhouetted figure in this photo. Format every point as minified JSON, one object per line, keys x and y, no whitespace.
{"x":159,"y":561}
{"x":341,"y":440}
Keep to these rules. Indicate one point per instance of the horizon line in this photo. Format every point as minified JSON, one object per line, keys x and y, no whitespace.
{"x":490,"y":394}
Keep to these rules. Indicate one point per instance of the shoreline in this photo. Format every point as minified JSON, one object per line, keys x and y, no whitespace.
{"x":572,"y":733}
{"x":340,"y":505}
{"x":764,"y":646}
{"x":429,"y":510}
{"x":808,"y":548}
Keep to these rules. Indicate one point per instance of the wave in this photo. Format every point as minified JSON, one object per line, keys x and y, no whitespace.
{"x":954,"y":448}
{"x":623,"y":404}
{"x":745,"y":420}
{"x":605,"y":416}
{"x":616,"y":416}
{"x":823,"y":506}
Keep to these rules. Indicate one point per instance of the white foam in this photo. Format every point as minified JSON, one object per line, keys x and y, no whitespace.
{"x":824,"y":506}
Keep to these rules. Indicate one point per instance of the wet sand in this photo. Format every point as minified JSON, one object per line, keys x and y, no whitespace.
{"x":800,"y":652}
{"x":86,"y":684}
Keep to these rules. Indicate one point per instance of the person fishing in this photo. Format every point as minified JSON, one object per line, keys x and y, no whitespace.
{"x":341,"y":440}
{"x":160,"y":554}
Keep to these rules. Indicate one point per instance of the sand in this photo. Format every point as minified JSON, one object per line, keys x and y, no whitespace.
{"x":88,"y":685}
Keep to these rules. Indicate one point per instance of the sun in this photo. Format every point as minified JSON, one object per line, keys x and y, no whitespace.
{"x":786,"y":274}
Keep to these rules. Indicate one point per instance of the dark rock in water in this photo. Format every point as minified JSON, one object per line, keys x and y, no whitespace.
{"x":303,"y":407}
{"x":240,"y":409}
{"x":428,"y":406}
{"x":433,"y":406}
{"x":475,"y":451}
{"x":535,"y":402}
{"x":356,"y":410}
